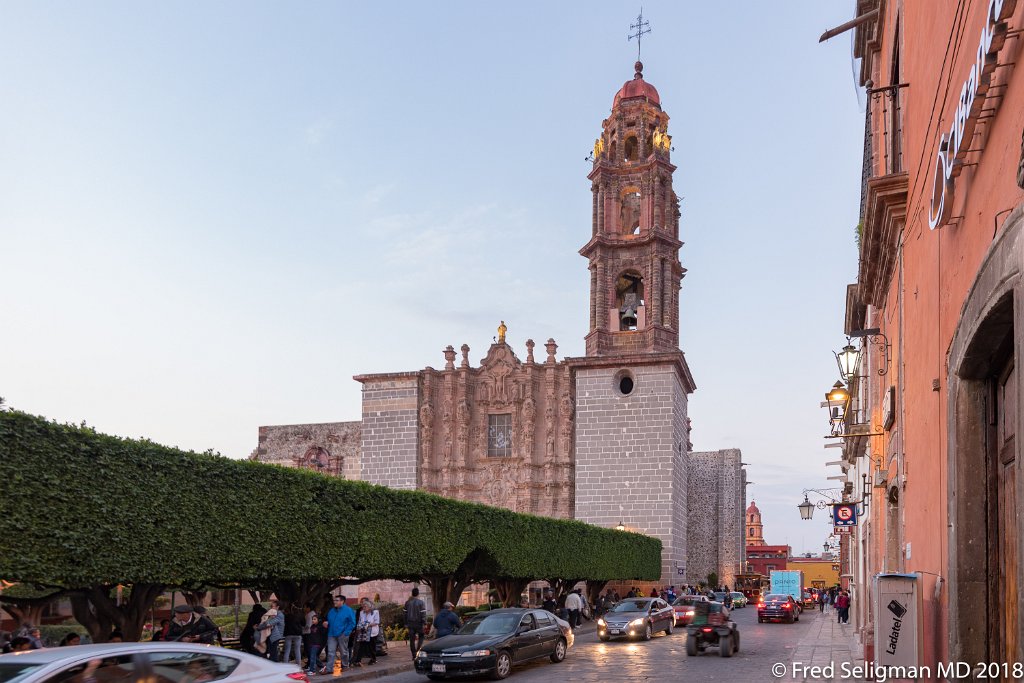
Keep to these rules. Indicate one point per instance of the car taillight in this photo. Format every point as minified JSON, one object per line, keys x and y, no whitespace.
{"x":787,"y":606}
{"x":706,"y":630}
{"x":299,"y":676}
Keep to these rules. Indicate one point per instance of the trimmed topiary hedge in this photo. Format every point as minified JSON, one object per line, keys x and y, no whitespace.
{"x":81,"y":508}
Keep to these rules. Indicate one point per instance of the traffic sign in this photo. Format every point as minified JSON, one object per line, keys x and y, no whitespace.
{"x":844,"y":514}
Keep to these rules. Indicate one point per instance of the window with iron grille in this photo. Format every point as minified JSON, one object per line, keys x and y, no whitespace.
{"x":499,"y":435}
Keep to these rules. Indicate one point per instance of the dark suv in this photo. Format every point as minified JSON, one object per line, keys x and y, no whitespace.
{"x":776,"y":606}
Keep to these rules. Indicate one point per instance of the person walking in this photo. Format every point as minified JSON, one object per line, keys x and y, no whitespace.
{"x":415,"y":621}
{"x":573,"y":604}
{"x":367,"y":628}
{"x":293,"y":626}
{"x":843,"y":607}
{"x":550,"y":604}
{"x":341,"y":620}
{"x":446,"y":622}
{"x":273,"y":624}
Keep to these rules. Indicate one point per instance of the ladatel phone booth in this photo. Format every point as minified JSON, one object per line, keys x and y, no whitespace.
{"x":897,"y":620}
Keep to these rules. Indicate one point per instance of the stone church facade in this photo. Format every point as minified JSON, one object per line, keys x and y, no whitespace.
{"x":603,"y":438}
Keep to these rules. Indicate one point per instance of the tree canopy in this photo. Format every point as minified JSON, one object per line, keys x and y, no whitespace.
{"x":83,"y":509}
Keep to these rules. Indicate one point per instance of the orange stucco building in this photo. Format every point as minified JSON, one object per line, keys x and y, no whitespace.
{"x":928,"y":438}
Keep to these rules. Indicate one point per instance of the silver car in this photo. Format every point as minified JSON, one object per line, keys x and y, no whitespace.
{"x":160,"y":662}
{"x":640,"y":617}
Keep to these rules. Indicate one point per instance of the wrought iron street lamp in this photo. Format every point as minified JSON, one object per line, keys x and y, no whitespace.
{"x":620,"y":526}
{"x":806,"y":508}
{"x":838,"y":394}
{"x":848,"y":359}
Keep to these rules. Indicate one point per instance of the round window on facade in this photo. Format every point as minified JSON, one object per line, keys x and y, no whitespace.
{"x":624,"y":382}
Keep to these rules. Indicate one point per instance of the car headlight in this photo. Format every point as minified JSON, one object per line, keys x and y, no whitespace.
{"x":637,"y":622}
{"x":421,"y":654}
{"x":476,"y":653}
{"x":600,"y":621}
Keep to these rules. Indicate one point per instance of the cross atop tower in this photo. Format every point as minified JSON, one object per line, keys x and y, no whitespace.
{"x":641,"y":27}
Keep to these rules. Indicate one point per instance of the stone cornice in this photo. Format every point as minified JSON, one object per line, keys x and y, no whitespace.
{"x":605,"y":167}
{"x":676,"y":358}
{"x":657,"y":235}
{"x":885,"y":214}
{"x":384,"y":376}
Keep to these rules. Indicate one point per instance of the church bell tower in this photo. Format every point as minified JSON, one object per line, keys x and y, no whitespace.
{"x":635,"y":272}
{"x":632,"y":431}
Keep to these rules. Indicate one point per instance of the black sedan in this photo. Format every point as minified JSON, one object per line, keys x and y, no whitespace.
{"x":636,"y":617}
{"x":778,"y":606}
{"x":492,"y":642}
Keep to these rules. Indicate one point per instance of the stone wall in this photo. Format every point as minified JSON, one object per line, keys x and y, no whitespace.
{"x":629,"y":449}
{"x":389,"y":434}
{"x":296,"y":446}
{"x":716,"y":502}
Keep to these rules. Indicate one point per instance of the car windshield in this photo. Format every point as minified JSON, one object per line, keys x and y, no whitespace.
{"x":685,"y":600}
{"x":10,"y":672}
{"x":490,"y":625}
{"x":776,"y":598}
{"x":632,"y":606}
{"x":736,"y":595}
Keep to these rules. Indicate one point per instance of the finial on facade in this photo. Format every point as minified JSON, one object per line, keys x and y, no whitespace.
{"x":465,"y":356}
{"x":551,"y":347}
{"x":529,"y":350}
{"x":449,"y":357}
{"x":639,"y":67}
{"x":501,"y":332}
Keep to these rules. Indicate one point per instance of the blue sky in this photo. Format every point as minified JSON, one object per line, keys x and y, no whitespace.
{"x":212,"y":215}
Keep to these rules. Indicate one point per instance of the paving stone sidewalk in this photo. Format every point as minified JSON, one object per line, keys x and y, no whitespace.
{"x":825,"y":643}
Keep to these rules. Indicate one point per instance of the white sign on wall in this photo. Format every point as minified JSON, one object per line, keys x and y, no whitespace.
{"x":953,"y":146}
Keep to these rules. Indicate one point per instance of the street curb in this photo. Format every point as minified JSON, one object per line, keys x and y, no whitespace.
{"x":366,"y":673}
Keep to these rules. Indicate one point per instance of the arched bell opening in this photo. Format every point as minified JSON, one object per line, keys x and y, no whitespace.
{"x":629,"y":301}
{"x":632,"y":148}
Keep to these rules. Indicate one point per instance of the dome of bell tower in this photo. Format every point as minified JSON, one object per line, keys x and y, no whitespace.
{"x":637,"y":88}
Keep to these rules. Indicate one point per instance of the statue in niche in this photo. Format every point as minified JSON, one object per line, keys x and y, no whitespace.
{"x":427,"y":425}
{"x":462,"y":415}
{"x":566,"y":409}
{"x":529,"y":413}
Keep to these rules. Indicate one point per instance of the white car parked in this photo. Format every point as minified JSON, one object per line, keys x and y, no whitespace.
{"x":160,"y":662}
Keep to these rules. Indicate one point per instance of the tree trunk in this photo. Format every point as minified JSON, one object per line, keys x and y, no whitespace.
{"x":446,"y":588}
{"x":594,"y":589}
{"x":194,"y":598}
{"x":509,"y":590}
{"x":99,"y":613}
{"x":295,"y":594}
{"x":25,"y":616}
{"x":259,"y":596}
{"x":561,"y":587}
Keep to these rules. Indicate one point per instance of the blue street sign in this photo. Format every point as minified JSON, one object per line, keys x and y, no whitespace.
{"x":844,"y":514}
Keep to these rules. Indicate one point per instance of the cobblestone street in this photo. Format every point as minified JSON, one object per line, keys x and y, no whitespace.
{"x":664,"y":658}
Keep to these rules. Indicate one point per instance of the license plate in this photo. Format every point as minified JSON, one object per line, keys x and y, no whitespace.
{"x":614,"y":630}
{"x":437,"y":668}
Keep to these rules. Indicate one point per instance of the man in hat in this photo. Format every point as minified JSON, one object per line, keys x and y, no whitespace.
{"x":187,"y":627}
{"x":446,"y":622}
